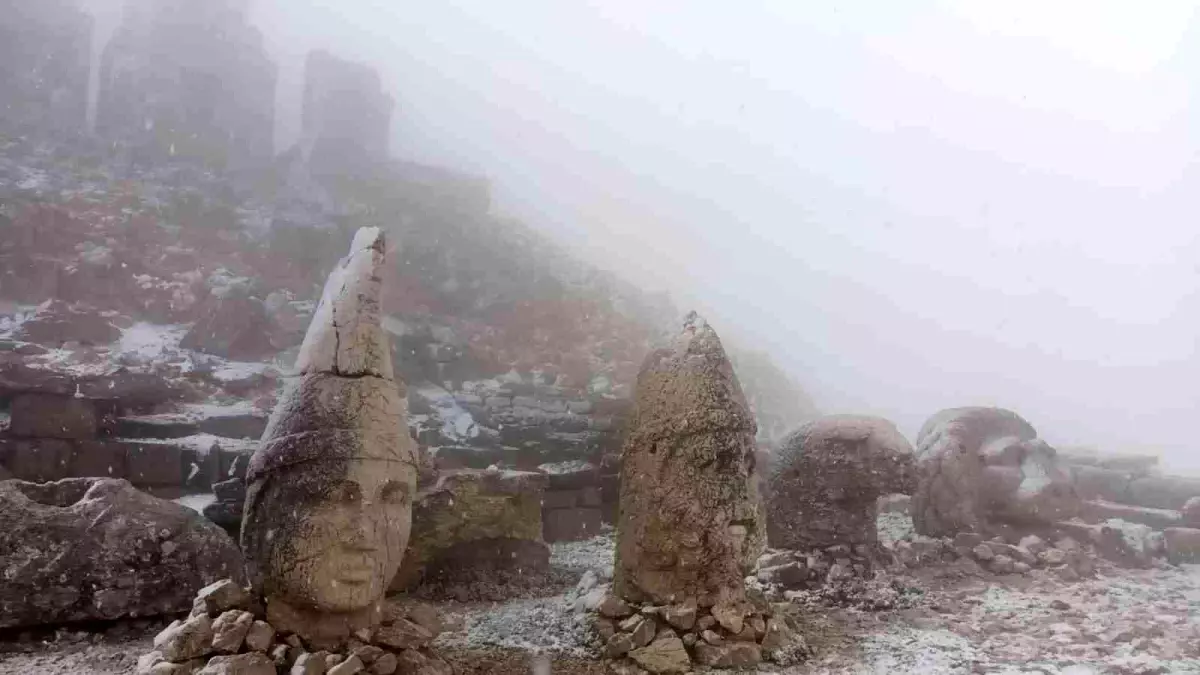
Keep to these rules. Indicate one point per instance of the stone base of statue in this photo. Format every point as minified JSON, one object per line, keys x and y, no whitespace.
{"x":679,"y":638}
{"x":230,"y":632}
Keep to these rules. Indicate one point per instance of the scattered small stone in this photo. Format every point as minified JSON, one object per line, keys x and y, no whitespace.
{"x":403,"y":634}
{"x":350,"y":666}
{"x":186,"y":640}
{"x":260,"y":636}
{"x":253,"y":663}
{"x":230,"y":629}
{"x":386,"y":664}
{"x":666,"y":656}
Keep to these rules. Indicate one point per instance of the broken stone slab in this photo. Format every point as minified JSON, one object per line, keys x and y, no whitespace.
{"x":666,"y":655}
{"x":1156,"y":518}
{"x":473,"y":523}
{"x":728,"y":655}
{"x":127,"y":553}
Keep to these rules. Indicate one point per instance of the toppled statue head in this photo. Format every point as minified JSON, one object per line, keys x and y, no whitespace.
{"x":329,"y":499}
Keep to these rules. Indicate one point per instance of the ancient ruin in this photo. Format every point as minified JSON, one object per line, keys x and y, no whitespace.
{"x":825,"y":479}
{"x":183,"y":79}
{"x":329,"y":504}
{"x":689,"y":516}
{"x":346,"y":116}
{"x":44,"y":53}
{"x":690,"y":522}
{"x":984,"y":468}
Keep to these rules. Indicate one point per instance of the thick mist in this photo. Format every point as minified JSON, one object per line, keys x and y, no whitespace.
{"x":912,"y":208}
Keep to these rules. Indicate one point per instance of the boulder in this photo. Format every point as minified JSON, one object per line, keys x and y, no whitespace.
{"x":235,"y":327}
{"x":57,"y":322}
{"x":980,"y":468}
{"x":1183,"y":544}
{"x":476,"y":525}
{"x":126,"y":554}
{"x":691,"y":521}
{"x":827,"y":477}
{"x":1156,"y":518}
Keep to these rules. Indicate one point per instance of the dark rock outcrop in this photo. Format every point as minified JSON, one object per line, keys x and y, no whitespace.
{"x":56,"y":323}
{"x":826,"y":478}
{"x":45,"y":48}
{"x":346,"y":116}
{"x":235,"y":327}
{"x":91,"y":548}
{"x":183,"y":79}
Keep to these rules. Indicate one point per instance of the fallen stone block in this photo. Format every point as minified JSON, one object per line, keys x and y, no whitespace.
{"x":51,"y":416}
{"x":1183,"y":544}
{"x":1156,"y":518}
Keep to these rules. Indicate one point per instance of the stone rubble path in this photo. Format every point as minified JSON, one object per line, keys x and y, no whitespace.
{"x":1123,"y":622}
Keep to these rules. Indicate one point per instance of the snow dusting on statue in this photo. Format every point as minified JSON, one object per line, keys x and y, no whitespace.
{"x":329,"y":502}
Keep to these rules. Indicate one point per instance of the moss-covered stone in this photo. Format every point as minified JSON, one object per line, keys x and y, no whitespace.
{"x":496,"y":509}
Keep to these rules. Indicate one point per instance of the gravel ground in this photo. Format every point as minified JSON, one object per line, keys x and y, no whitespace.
{"x":1123,"y":622}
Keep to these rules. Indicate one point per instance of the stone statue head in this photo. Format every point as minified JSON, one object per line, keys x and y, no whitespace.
{"x":329,"y":490}
{"x":337,"y":530}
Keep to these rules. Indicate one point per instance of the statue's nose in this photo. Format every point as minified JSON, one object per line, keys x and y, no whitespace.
{"x":361,"y":534}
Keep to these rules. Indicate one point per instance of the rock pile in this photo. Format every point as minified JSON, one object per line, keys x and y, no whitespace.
{"x":97,"y":549}
{"x":227,"y":634}
{"x":824,"y":484}
{"x":671,"y":638}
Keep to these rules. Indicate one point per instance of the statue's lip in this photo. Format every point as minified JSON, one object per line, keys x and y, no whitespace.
{"x":356,"y":575}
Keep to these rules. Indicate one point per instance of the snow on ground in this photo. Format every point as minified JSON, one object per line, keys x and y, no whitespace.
{"x":12,"y":316}
{"x":457,"y":423}
{"x":148,"y":341}
{"x":207,"y":410}
{"x":201,"y":443}
{"x":196,"y":502}
{"x":568,"y":466}
{"x":538,"y":625}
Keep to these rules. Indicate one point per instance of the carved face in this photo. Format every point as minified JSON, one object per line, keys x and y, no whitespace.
{"x":347,"y":534}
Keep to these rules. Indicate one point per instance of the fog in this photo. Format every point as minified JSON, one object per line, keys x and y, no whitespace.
{"x":912,"y":208}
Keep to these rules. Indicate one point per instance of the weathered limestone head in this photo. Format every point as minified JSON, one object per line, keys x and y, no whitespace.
{"x":690,"y":517}
{"x":329,"y":499}
{"x":826,"y":477}
{"x":980,"y":468}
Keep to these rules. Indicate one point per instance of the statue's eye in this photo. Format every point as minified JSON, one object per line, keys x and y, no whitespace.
{"x":345,"y":492}
{"x":394,"y":492}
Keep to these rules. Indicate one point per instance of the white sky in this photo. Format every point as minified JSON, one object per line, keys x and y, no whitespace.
{"x":914,"y":205}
